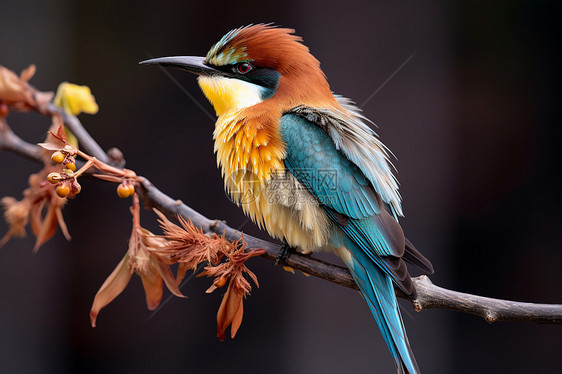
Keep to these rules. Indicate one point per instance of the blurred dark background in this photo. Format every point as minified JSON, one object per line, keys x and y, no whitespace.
{"x":473,"y":118}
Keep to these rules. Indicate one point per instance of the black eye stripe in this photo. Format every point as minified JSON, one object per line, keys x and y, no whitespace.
{"x":265,"y":77}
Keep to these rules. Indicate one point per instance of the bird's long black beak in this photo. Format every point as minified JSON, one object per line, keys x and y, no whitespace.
{"x":192,"y":64}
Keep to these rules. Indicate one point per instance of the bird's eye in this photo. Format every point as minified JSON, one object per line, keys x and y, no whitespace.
{"x":243,"y":68}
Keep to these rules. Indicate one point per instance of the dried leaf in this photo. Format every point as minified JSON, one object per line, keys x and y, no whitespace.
{"x":38,"y":198}
{"x":56,"y":139}
{"x":28,"y":73}
{"x":50,"y":146}
{"x":152,"y":285}
{"x":234,"y":269}
{"x":182,"y":270}
{"x":48,"y":227}
{"x":16,"y":214}
{"x":168,"y":277}
{"x":62,"y":224}
{"x":15,"y":91}
{"x":36,"y":218}
{"x":12,"y":89}
{"x":111,"y":288}
{"x":152,"y":269}
{"x":60,"y":134}
{"x":230,"y":312}
{"x":188,"y":245}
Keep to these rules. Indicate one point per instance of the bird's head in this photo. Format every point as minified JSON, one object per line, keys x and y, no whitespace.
{"x":252,"y":64}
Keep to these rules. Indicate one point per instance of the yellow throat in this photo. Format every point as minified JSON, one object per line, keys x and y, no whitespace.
{"x":227,"y":94}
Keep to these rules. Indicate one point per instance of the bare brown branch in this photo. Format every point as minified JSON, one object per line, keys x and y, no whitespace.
{"x":13,"y":143}
{"x":428,"y":294}
{"x":492,"y":310}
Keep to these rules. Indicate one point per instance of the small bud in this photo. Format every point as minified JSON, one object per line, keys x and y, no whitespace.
{"x":123,"y":191}
{"x":221,"y":282}
{"x":71,"y":166}
{"x":58,"y":157}
{"x":54,"y":178}
{"x":4,"y":110}
{"x":68,"y":172}
{"x":131,"y":189}
{"x":63,"y":190}
{"x":75,"y":188}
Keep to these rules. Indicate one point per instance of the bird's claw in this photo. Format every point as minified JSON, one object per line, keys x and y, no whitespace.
{"x":284,"y":253}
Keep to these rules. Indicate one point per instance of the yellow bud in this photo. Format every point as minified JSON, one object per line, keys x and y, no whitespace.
{"x":123,"y":191}
{"x":63,"y":190}
{"x":68,"y":172}
{"x":54,"y":178}
{"x":131,"y":189}
{"x":58,"y":157}
{"x":71,"y":166}
{"x":221,"y":282}
{"x":76,"y":188}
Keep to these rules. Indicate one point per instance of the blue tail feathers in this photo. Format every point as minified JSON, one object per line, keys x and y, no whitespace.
{"x":378,"y":290}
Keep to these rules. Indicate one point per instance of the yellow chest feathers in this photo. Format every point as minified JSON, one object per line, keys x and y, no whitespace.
{"x":245,"y":146}
{"x":243,"y":143}
{"x":250,"y":153}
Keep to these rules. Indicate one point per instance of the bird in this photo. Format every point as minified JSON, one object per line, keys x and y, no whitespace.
{"x":303,"y":163}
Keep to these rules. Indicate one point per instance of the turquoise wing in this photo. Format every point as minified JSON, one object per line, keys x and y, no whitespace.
{"x":372,"y":236}
{"x":346,"y":195}
{"x":359,"y":143}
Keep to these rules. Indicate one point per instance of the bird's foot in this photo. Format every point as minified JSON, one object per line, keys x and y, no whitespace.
{"x":284,"y":253}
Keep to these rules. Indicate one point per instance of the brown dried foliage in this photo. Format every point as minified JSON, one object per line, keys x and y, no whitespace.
{"x":139,"y":259}
{"x":40,"y":207}
{"x":189,"y":246}
{"x":148,"y":255}
{"x":16,"y":92}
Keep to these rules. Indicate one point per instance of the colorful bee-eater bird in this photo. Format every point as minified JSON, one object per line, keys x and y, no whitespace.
{"x":303,"y":163}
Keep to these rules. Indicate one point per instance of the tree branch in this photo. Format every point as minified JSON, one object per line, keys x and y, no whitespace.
{"x":492,"y":310}
{"x":9,"y":141}
{"x":428,"y":295}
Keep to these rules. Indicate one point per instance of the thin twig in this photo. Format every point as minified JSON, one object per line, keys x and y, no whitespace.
{"x":86,"y":141}
{"x":9,"y":141}
{"x":428,"y":295}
